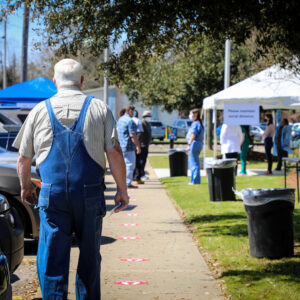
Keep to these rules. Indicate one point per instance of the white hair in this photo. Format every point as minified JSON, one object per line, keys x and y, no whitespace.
{"x":67,"y":72}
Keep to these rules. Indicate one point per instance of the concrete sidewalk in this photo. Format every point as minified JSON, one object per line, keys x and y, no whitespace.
{"x":174,"y":268}
{"x":169,"y":265}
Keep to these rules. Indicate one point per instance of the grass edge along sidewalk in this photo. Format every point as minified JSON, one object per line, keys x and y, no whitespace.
{"x":221,"y":231}
{"x":162,"y":161}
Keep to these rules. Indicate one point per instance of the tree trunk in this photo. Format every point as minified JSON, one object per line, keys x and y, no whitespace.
{"x":25,"y":43}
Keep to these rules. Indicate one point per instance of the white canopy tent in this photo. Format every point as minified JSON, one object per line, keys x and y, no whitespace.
{"x":273,"y":88}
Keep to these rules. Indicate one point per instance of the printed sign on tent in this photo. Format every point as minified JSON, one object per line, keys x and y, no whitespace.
{"x":241,"y":113}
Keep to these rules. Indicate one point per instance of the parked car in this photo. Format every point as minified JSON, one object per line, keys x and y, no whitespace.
{"x":8,"y":157}
{"x":9,"y":129}
{"x":182,"y":126}
{"x":11,"y":234}
{"x":295,"y":134}
{"x":263,"y":126}
{"x":256,"y":133}
{"x":10,"y":188}
{"x":158,"y":130}
{"x":4,"y":277}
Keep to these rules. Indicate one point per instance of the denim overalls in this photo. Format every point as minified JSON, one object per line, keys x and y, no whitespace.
{"x":71,"y":200}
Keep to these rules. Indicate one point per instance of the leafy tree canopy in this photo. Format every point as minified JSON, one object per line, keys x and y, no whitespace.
{"x":152,"y":27}
{"x":183,"y":79}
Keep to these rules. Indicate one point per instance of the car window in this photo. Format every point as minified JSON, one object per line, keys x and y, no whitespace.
{"x":181,"y":124}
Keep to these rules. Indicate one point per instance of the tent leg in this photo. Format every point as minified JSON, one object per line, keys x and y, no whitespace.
{"x":205,"y":135}
{"x":215,"y":133}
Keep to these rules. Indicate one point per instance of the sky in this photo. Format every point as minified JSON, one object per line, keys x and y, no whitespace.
{"x":14,"y":37}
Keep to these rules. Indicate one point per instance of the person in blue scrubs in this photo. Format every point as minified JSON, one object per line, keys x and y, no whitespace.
{"x":70,"y":134}
{"x":195,"y":143}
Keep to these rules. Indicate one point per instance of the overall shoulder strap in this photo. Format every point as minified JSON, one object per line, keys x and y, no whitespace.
{"x":81,"y":117}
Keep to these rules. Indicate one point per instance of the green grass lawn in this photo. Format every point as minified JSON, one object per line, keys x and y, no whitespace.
{"x":162,"y":161}
{"x":221,"y":229}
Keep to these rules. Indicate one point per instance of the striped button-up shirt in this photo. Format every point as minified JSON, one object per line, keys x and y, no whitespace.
{"x":35,"y":136}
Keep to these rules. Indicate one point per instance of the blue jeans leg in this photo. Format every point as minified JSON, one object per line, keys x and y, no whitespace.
{"x":195,"y":162}
{"x":54,"y":255}
{"x":268,"y":147}
{"x":129,"y":158}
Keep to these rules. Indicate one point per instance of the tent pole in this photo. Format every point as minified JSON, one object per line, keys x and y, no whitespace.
{"x":205,"y":134}
{"x":215,"y":133}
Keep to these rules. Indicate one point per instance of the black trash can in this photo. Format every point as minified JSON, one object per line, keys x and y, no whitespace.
{"x":178,"y":161}
{"x":221,"y":179}
{"x":270,"y":221}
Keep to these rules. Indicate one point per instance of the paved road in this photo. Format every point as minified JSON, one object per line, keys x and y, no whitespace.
{"x":24,"y":280}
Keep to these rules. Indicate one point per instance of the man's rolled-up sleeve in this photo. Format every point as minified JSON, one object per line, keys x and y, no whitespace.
{"x":132,"y":128}
{"x":110,"y":134}
{"x":24,"y":139}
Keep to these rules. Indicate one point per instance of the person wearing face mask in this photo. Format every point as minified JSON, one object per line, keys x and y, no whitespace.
{"x":195,"y":137}
{"x":189,"y":133}
{"x":140,"y":130}
{"x":268,"y":141}
{"x":145,"y":139}
{"x":231,"y":137}
{"x":282,"y":140}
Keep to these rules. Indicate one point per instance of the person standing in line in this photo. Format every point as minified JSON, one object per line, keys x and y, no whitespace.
{"x":282,"y":142}
{"x":127,"y":133}
{"x":69,"y":134}
{"x":246,"y":142}
{"x":145,"y":140}
{"x":268,"y":141}
{"x":121,"y":112}
{"x":140,"y":130}
{"x":195,"y":144}
{"x":230,"y":139}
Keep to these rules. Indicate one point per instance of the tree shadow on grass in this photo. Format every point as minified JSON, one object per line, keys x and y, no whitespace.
{"x":287,"y":271}
{"x":215,"y":218}
{"x":230,"y":224}
{"x":237,"y":230}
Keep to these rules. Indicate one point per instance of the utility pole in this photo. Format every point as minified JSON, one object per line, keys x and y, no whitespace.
{"x":4,"y":56}
{"x":25,"y":43}
{"x":227,"y":65}
{"x":106,"y":83}
{"x":226,"y":85}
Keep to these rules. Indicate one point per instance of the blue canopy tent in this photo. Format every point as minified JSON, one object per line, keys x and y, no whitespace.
{"x":27,"y":94}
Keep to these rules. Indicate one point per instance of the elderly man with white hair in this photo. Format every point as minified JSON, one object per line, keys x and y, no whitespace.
{"x":70,"y":134}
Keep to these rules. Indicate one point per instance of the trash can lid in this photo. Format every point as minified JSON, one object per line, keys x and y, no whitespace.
{"x":211,"y":162}
{"x":255,"y":197}
{"x":173,"y":150}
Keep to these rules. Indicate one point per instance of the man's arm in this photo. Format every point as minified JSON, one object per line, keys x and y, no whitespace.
{"x":28,"y":192}
{"x":118,"y":170}
{"x":136,"y":142}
